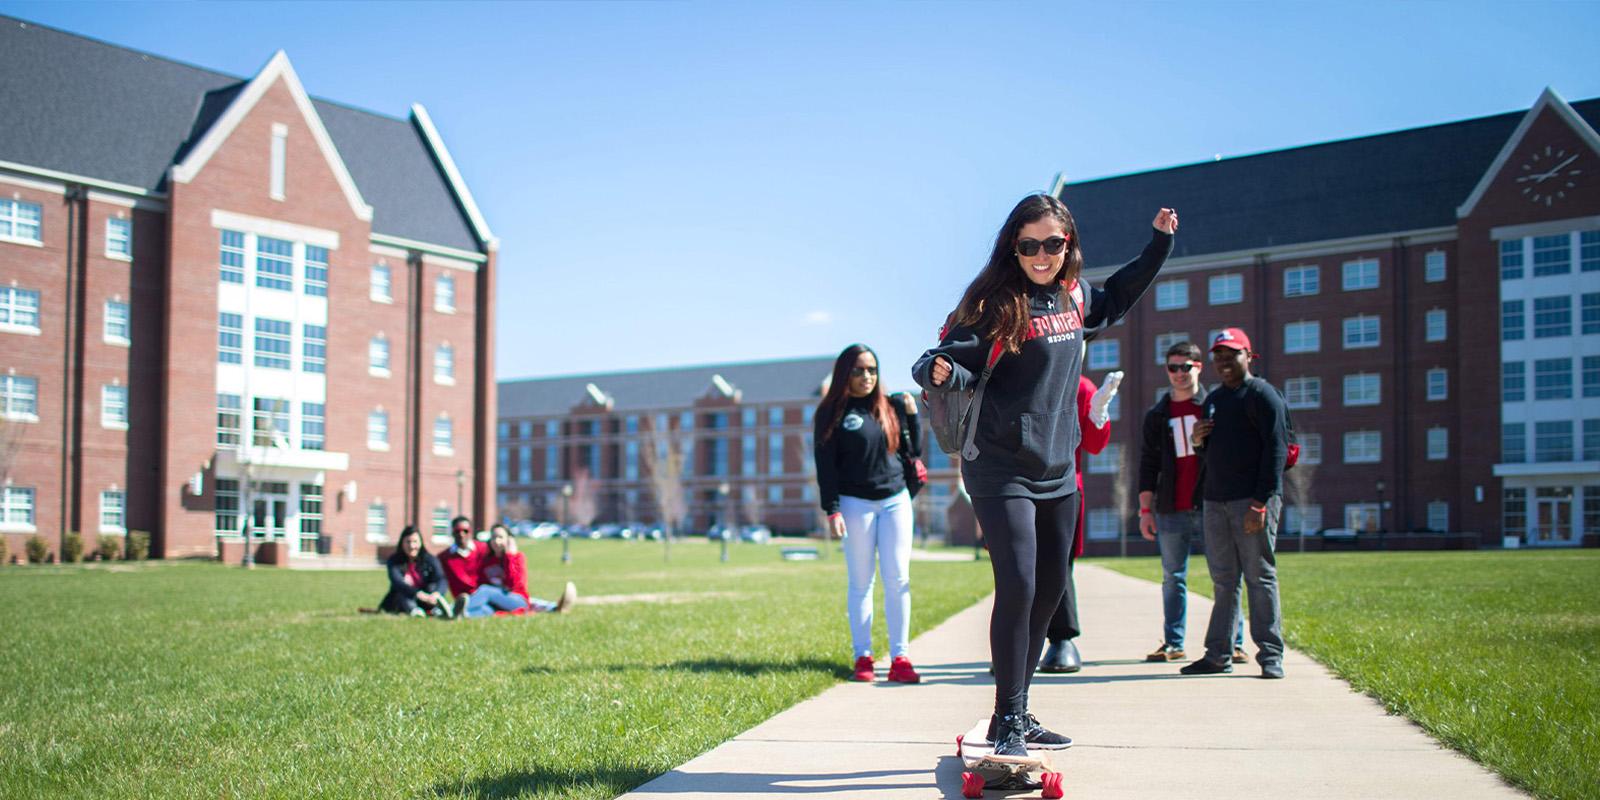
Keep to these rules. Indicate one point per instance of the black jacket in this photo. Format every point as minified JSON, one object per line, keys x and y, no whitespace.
{"x":1245,"y":453}
{"x":855,"y":460}
{"x":1158,"y":457}
{"x":428,"y":569}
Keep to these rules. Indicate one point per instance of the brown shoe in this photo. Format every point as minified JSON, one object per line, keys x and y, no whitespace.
{"x":1166,"y":652}
{"x":1239,"y":657}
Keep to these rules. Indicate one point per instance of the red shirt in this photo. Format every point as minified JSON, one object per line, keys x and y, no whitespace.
{"x":462,"y":571}
{"x":1181,"y":417}
{"x":412,"y":576}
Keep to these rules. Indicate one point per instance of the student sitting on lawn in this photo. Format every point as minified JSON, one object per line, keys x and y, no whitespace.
{"x":502,"y":582}
{"x":416,"y":581}
{"x":461,"y":561}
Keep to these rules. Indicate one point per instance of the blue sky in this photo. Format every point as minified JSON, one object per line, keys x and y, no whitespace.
{"x":682,"y":182}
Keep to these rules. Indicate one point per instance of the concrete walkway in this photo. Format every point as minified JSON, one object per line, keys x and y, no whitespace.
{"x":1142,"y":730}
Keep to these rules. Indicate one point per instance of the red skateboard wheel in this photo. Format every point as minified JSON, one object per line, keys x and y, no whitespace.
{"x":959,"y":737}
{"x":1051,"y":784}
{"x":972,"y":785}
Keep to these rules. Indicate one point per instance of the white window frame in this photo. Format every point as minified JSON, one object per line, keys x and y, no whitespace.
{"x":1105,"y":354}
{"x":1166,"y":340}
{"x":444,"y":436}
{"x":1363,"y":389}
{"x":444,"y":294}
{"x":231,"y":273}
{"x":1434,"y":267}
{"x":380,"y":290}
{"x":378,"y":429}
{"x":1438,"y":438}
{"x":1106,"y":462}
{"x":1439,"y":515}
{"x":315,"y":287}
{"x":1310,"y":447}
{"x":1438,"y":379}
{"x":1172,"y":295}
{"x":444,"y":364}
{"x":270,"y":279}
{"x":377,"y":522}
{"x":307,"y":419}
{"x":18,"y":505}
{"x":10,"y":304}
{"x":1435,"y":324}
{"x":113,"y":511}
{"x":1359,"y":442}
{"x":237,"y":352}
{"x":119,"y":243}
{"x":11,"y":398}
{"x":11,"y":219}
{"x":278,"y":158}
{"x":1355,"y":275}
{"x":1297,"y":391}
{"x":309,"y":358}
{"x":1101,"y":523}
{"x":1298,"y":344}
{"x":1230,"y":286}
{"x":378,"y":356}
{"x":278,"y":330}
{"x":112,"y":397}
{"x":1358,"y":326}
{"x":1300,"y":275}
{"x":1357,"y":514}
{"x":109,"y":336}
{"x":1295,"y":519}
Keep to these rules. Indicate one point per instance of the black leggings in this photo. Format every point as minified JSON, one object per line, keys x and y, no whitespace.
{"x":1029,"y":544}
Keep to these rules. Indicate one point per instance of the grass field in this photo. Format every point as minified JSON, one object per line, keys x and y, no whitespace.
{"x":198,"y":680}
{"x":1495,"y":653}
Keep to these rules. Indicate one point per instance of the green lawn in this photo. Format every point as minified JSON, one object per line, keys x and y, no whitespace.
{"x":197,"y":680}
{"x":1495,"y":653}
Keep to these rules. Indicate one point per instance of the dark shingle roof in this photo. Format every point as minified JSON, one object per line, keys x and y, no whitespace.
{"x":1371,"y":185}
{"x":84,"y":107}
{"x":757,"y":382}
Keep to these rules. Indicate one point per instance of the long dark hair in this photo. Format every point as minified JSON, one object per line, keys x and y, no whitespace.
{"x":996,"y":303}
{"x":399,"y":556}
{"x":831,"y":409}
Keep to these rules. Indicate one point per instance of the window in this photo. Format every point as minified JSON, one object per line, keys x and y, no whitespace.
{"x":1226,"y":289}
{"x":1513,"y":381}
{"x":1361,"y":274}
{"x":119,"y":239}
{"x":1439,"y":516}
{"x":1552,"y":255}
{"x":552,"y":463}
{"x":1363,"y":389}
{"x":1591,"y":376}
{"x":272,"y":343}
{"x":444,"y":364}
{"x":313,"y":425}
{"x":444,"y":435}
{"x":775,"y":417}
{"x":1301,"y":281}
{"x":16,"y":508}
{"x":1114,"y":408}
{"x":1589,"y":255}
{"x":1552,"y":316}
{"x":525,"y":464}
{"x":1590,"y":303}
{"x":775,"y":454}
{"x":1433,"y":266}
{"x":274,"y":263}
{"x":230,"y":338}
{"x":1103,"y":523}
{"x":441,"y":523}
{"x":381,"y":290}
{"x":378,"y":430}
{"x":775,"y":495}
{"x":1310,"y":447}
{"x":19,"y":398}
{"x":502,"y":465}
{"x":116,"y":327}
{"x":1514,"y":442}
{"x":377,"y":523}
{"x":1591,"y":442}
{"x":1512,"y":320}
{"x":316,"y":271}
{"x":1167,"y":340}
{"x":280,"y":132}
{"x":1362,"y":516}
{"x":1303,"y":392}
{"x":1105,"y":354}
{"x":231,"y":258}
{"x":747,"y":456}
{"x":19,"y":221}
{"x":1514,"y":507}
{"x":226,"y":520}
{"x":310,"y":518}
{"x":1107,"y":462}
{"x":314,"y":348}
{"x":271,"y":422}
{"x":1302,"y":520}
{"x":747,"y":419}
{"x":1434,"y":325}
{"x":113,"y":406}
{"x":1438,"y":384}
{"x":1552,"y":379}
{"x":1511,"y":260}
{"x":1172,"y":294}
{"x":1438,"y":444}
{"x":1552,"y":441}
{"x":19,"y":310}
{"x":444,"y":294}
{"x":378,"y":355}
{"x":111,"y":516}
{"x":1363,"y":447}
{"x":630,"y":458}
{"x":1302,"y":337}
{"x":1361,"y":331}
{"x":230,"y":408}
{"x":808,"y":414}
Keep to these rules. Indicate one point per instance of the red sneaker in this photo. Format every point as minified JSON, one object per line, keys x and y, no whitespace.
{"x":864,"y":672}
{"x":900,"y":671}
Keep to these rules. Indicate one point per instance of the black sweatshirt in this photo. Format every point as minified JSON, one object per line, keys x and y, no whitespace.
{"x":1028,"y":426}
{"x":855,"y":460}
{"x":1158,"y":456}
{"x":1245,"y":452}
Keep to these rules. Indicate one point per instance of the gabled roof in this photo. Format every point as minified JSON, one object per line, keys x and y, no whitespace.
{"x":1548,"y":100}
{"x":124,"y":117}
{"x":1407,"y":180}
{"x":678,"y":387}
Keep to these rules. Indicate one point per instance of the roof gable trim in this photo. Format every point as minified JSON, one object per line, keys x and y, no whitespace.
{"x":211,"y":142}
{"x":441,"y":154}
{"x":1563,"y":110}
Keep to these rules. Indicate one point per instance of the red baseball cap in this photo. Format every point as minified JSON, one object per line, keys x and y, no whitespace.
{"x":1232,"y":339}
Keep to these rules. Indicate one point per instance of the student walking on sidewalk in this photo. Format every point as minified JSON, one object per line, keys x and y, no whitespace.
{"x":1244,"y":440}
{"x":1031,"y":305}
{"x":863,"y":488}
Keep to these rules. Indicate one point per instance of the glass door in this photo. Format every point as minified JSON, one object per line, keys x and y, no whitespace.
{"x":1552,"y":517}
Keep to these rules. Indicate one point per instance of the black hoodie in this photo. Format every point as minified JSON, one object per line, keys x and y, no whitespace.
{"x":855,"y":460}
{"x":1028,"y":426}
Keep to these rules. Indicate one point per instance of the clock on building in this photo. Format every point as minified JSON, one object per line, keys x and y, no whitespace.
{"x":1548,"y":174}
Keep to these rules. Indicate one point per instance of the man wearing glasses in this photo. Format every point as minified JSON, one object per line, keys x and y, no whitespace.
{"x":1169,"y":495}
{"x":462,"y":560}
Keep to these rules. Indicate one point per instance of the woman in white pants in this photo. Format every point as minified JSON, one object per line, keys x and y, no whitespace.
{"x":861,"y":479}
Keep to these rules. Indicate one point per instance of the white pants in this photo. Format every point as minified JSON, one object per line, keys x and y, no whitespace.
{"x":880,"y":528}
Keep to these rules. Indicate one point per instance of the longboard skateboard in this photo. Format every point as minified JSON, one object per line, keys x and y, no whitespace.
{"x":985,"y":770}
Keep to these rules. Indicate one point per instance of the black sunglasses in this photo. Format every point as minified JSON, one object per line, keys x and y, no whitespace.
{"x":1052,"y":246}
{"x":463,"y":530}
{"x":1177,"y":368}
{"x":856,"y":372}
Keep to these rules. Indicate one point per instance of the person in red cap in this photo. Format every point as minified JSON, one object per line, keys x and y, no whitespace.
{"x":1243,"y":439}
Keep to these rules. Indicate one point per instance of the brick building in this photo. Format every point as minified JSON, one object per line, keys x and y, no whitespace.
{"x":223,"y":301}
{"x":1428,"y":300}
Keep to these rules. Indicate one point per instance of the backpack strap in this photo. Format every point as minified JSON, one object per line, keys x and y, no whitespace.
{"x":969,"y":448}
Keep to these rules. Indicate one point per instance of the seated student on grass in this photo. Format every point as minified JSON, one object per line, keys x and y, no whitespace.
{"x":416,"y":581}
{"x":502,"y":581}
{"x":461,"y":561}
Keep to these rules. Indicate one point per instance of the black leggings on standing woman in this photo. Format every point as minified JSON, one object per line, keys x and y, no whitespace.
{"x":1029,"y":544}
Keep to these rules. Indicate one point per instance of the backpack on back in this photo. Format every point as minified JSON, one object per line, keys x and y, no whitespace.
{"x":1292,"y":443}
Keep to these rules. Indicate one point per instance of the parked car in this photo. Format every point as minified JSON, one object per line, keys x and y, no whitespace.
{"x":756,"y":534}
{"x":651,"y":532}
{"x":580,"y":532}
{"x":717,"y":533}
{"x":614,"y":531}
{"x":542,"y":530}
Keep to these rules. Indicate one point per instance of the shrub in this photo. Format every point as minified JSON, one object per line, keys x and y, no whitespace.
{"x":138,"y":545}
{"x":72,"y":548}
{"x":4,"y":547}
{"x":38,"y":550}
{"x":110,"y":548}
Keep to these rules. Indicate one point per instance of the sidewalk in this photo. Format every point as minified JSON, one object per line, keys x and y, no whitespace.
{"x":1141,"y":729}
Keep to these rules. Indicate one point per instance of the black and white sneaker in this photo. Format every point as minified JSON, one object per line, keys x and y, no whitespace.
{"x":1009,"y":737}
{"x":1037,"y":736}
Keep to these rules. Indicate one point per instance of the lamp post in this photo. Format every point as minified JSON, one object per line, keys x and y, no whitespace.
{"x":566,"y":544}
{"x":461,"y":485}
{"x":1380,"y":486}
{"x":723,"y":491}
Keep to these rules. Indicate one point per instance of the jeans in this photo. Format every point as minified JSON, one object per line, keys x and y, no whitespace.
{"x":1177,"y":533}
{"x":488,"y":598}
{"x":881,"y":530}
{"x":1230,"y":552}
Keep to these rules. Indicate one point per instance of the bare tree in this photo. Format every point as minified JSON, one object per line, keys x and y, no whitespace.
{"x":10,"y":445}
{"x":751,"y":506}
{"x":1298,"y":487}
{"x":663,"y":461}
{"x":585,"y":503}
